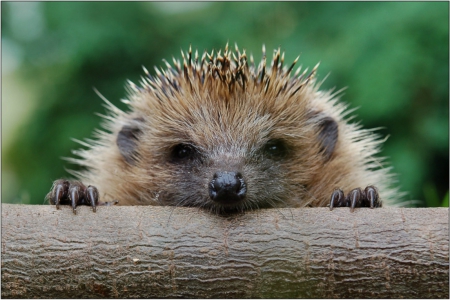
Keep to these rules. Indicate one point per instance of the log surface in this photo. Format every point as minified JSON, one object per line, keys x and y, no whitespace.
{"x":166,"y":252}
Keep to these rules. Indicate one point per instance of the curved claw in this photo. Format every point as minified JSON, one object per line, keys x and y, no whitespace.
{"x":372,"y":196}
{"x":355,"y":198}
{"x":91,"y":196}
{"x":74,"y":195}
{"x":336,"y":198}
{"x":59,"y":195}
{"x":59,"y":192}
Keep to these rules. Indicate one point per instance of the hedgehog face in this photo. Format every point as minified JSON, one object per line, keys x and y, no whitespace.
{"x":227,"y":170}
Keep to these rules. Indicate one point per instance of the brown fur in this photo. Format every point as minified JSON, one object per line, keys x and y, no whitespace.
{"x":229,"y":109}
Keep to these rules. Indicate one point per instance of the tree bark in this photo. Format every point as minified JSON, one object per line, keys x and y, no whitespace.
{"x":167,"y":252}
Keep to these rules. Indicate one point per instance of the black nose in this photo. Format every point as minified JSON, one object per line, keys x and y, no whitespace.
{"x":227,"y":187}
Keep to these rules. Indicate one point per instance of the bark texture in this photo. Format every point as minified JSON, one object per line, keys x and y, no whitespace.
{"x":148,"y":252}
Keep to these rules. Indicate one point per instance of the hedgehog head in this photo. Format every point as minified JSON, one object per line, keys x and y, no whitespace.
{"x":220,"y":132}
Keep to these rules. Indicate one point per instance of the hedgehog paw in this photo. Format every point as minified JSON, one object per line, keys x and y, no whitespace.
{"x":356,"y":198}
{"x":75,"y":193}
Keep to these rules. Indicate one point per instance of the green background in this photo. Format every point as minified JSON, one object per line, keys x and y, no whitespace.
{"x":392,"y":56}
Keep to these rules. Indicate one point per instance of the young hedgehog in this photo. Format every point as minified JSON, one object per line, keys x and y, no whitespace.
{"x":220,"y":133}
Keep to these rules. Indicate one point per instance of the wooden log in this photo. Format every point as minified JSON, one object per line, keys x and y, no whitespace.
{"x":167,"y":252}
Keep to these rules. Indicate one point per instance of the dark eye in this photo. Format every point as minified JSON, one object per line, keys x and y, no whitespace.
{"x":275,"y":149}
{"x":182,"y":152}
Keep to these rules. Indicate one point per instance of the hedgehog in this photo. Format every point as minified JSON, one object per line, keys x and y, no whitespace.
{"x":222,"y":133}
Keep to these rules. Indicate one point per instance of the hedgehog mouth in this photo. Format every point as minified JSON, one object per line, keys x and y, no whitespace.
{"x":228,"y":208}
{"x":240,"y":206}
{"x":229,"y":199}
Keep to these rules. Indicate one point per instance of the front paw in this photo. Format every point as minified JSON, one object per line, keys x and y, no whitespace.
{"x":356,"y":198}
{"x":75,"y":193}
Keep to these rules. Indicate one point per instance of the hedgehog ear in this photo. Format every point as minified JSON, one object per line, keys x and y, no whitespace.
{"x":328,"y":136}
{"x":328,"y":132}
{"x":127,"y":139}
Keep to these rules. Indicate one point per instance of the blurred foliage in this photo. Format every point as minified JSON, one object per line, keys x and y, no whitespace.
{"x":392,"y":56}
{"x":445,"y":201}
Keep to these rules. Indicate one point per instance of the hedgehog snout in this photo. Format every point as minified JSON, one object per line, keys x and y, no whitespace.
{"x":227,"y":187}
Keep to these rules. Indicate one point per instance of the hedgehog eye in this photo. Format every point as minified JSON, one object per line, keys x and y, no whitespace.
{"x":182,"y":152}
{"x":275,"y":149}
